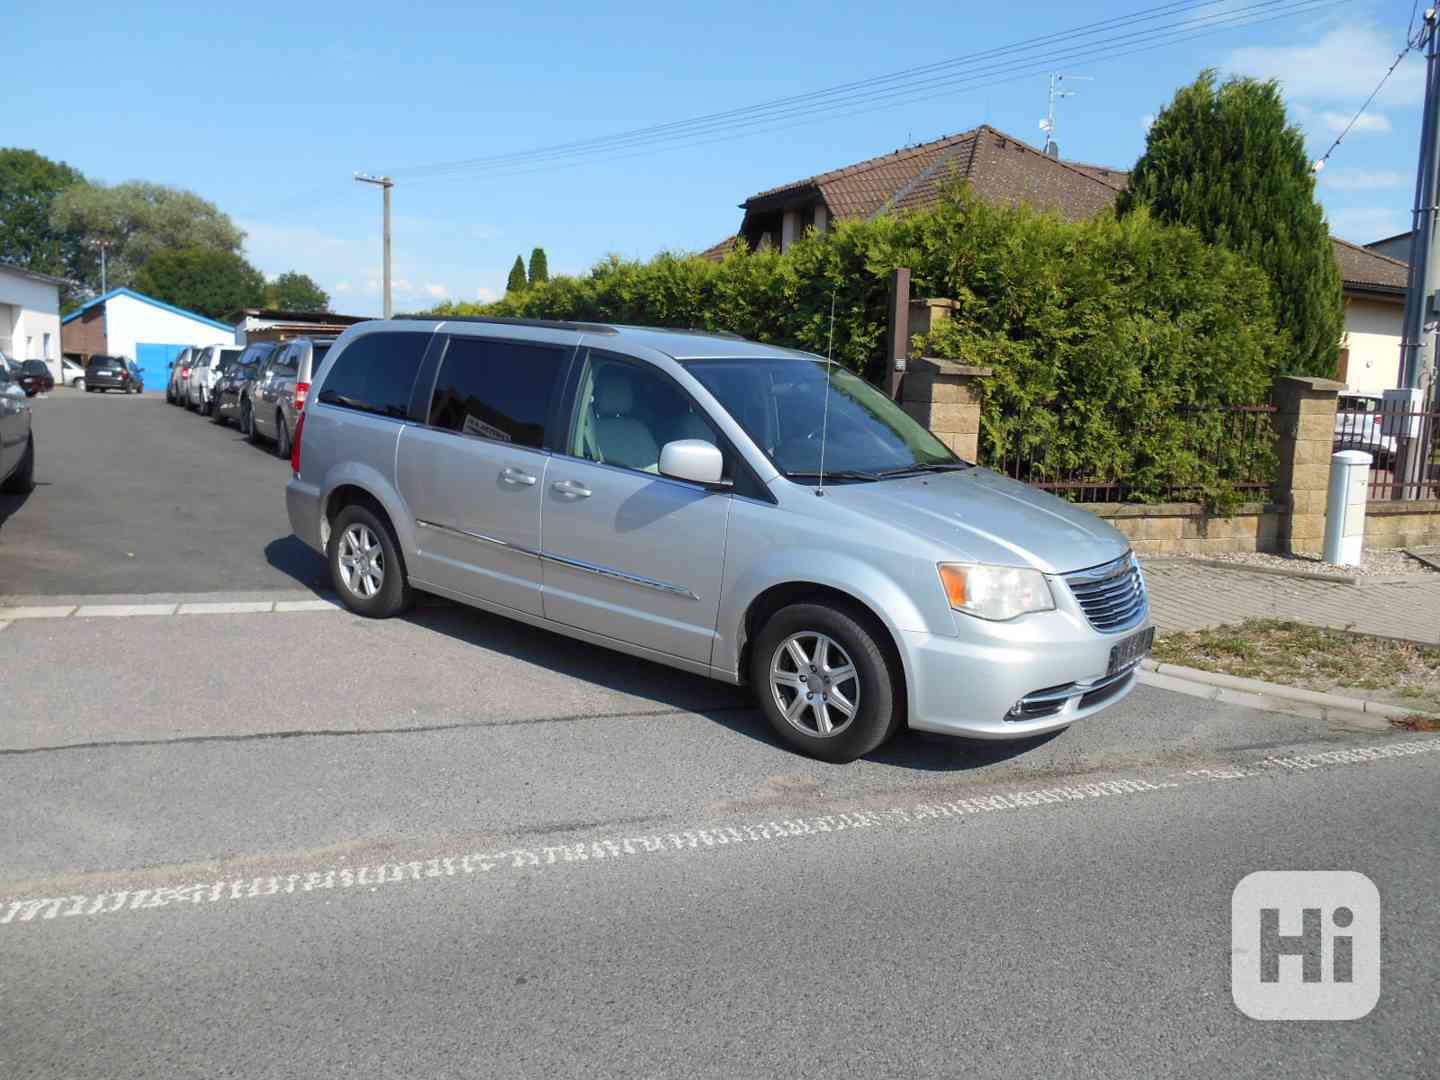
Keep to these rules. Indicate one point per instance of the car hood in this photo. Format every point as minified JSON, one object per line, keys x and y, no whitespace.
{"x":985,"y":517}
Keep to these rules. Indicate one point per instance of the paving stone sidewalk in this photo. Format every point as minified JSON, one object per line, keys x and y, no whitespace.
{"x":1191,"y":596}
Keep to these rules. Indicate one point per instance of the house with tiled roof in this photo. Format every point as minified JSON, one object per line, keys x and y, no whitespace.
{"x":1007,"y":171}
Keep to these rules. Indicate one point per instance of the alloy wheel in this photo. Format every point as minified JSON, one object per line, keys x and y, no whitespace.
{"x":815,"y":684}
{"x":362,"y":561}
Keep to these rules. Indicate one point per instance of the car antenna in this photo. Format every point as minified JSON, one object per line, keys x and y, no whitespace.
{"x":825,"y":416}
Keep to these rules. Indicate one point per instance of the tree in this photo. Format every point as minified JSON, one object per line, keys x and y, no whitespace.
{"x":516,"y":281}
{"x":294,"y":291}
{"x":137,"y":220}
{"x":539,"y":266}
{"x":211,"y":282}
{"x":29,"y":186}
{"x":1224,"y":160}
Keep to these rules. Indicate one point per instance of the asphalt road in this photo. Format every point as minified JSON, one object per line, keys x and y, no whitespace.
{"x":137,"y":496}
{"x":374,"y":831}
{"x":303,"y":844}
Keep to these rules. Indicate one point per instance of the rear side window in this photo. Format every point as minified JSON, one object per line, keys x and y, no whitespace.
{"x":376,"y":373}
{"x":500,"y":390}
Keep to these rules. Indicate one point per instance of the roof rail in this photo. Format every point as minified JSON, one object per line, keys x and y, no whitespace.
{"x":544,"y":324}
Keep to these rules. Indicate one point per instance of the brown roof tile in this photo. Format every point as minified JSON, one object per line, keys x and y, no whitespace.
{"x":1364,"y":268}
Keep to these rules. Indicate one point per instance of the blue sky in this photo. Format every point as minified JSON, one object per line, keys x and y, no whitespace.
{"x":270,"y":114}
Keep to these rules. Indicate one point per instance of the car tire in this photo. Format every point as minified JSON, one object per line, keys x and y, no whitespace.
{"x":22,"y":480}
{"x":373,"y":595}
{"x":282,"y":437}
{"x":247,"y":423}
{"x":216,"y":416}
{"x":824,"y":637}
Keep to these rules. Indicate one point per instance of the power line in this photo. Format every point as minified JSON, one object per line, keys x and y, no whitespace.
{"x":1411,"y":44}
{"x":810,"y":97}
{"x":705,"y":133}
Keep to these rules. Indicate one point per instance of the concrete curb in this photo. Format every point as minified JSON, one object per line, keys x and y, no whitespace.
{"x":1429,"y":556}
{"x":1302,"y":575}
{"x":1255,"y":688}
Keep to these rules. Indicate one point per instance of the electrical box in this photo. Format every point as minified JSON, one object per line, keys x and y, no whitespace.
{"x":1345,"y":507}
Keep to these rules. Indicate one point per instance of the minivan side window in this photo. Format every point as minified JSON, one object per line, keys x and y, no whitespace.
{"x":500,"y":390}
{"x":376,"y":373}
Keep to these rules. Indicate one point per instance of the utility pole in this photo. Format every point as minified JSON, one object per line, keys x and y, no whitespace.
{"x":1417,"y":344}
{"x":385,"y":184}
{"x":102,"y":245}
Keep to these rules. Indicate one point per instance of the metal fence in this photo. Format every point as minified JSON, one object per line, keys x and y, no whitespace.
{"x":1403,"y":442}
{"x":1182,"y":459}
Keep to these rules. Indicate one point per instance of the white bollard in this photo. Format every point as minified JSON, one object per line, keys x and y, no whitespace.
{"x":1345,"y":507}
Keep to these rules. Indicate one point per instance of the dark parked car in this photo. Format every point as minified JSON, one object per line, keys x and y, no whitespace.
{"x":137,"y":377}
{"x":17,"y":441}
{"x":35,"y":378}
{"x":108,"y":373}
{"x":232,"y":391}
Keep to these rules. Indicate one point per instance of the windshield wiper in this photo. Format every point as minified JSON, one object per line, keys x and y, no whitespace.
{"x":836,"y":474}
{"x":926,"y":466}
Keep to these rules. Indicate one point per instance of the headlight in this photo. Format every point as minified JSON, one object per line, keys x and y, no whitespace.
{"x":995,"y":592}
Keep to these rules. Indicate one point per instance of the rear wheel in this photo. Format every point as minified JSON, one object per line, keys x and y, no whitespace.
{"x":282,"y":436}
{"x":365,"y":564}
{"x":22,"y":480}
{"x":824,"y":681}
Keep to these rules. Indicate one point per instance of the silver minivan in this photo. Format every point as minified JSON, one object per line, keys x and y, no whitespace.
{"x":280,"y":390}
{"x":660,"y":493}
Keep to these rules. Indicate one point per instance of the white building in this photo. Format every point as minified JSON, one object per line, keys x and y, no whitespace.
{"x":151,"y":332}
{"x":30,"y":316}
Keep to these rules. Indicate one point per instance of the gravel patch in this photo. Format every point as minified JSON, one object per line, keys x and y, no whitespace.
{"x":1375,"y":562}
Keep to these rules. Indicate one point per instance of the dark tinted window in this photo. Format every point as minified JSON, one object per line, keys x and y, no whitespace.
{"x":34,"y":367}
{"x":376,"y":373}
{"x":497,"y":389}
{"x":102,"y":361}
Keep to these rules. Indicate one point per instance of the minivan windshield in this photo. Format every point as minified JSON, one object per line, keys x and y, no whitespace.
{"x":781,"y":403}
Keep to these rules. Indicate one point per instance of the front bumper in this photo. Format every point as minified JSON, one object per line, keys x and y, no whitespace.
{"x":1035,"y":675}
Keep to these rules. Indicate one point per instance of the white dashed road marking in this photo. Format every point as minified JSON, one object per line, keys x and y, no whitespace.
{"x":89,"y":610}
{"x":236,"y":608}
{"x":428,"y":867}
{"x":189,"y":607}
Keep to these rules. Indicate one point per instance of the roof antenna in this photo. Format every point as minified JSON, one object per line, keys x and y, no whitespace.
{"x":1047,"y":125}
{"x":825,"y":416}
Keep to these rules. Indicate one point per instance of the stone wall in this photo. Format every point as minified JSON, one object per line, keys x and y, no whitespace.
{"x":1402,"y":524}
{"x":945,"y":397}
{"x":1185,"y":529}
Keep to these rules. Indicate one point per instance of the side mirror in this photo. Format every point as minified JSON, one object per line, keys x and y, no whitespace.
{"x":692,"y":459}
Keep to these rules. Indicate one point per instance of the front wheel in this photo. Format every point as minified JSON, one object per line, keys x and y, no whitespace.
{"x":247,"y":422}
{"x":824,"y":682}
{"x":365,"y":564}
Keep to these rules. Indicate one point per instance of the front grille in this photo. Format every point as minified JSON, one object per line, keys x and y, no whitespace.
{"x":1112,"y":596}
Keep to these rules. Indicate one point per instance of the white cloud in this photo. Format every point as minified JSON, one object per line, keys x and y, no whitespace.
{"x":1367,"y":124}
{"x":343,"y":287}
{"x":439,"y":292}
{"x":1344,"y":65}
{"x":1363,"y":224}
{"x":1366,"y":179}
{"x":486,"y":295}
{"x":1146,"y":121}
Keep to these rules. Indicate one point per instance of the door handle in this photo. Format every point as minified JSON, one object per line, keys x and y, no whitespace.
{"x":570,"y":489}
{"x":514,"y":476}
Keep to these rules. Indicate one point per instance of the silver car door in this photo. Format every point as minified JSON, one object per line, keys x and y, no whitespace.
{"x":473,"y":475}
{"x":629,"y":553}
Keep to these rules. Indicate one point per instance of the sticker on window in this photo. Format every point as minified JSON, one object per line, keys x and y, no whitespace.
{"x":475,"y":426}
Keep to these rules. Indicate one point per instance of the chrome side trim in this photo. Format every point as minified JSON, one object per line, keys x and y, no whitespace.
{"x":618,"y":575}
{"x":560,"y":560}
{"x":480,"y":538}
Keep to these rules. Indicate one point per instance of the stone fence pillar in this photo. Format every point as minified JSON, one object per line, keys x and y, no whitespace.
{"x":945,"y":396}
{"x":1305,"y":439}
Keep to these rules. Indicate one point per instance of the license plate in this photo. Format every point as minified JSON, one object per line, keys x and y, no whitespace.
{"x":1132,"y":650}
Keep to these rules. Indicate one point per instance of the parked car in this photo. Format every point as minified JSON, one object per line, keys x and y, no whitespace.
{"x":1359,"y":426}
{"x":17,"y":440}
{"x":205,"y":365}
{"x":179,"y":375}
{"x":232,"y":394}
{"x":35,"y":377}
{"x":280,"y":398}
{"x":107,"y":373}
{"x":71,"y":373}
{"x":655,"y":492}
{"x":137,"y":376}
